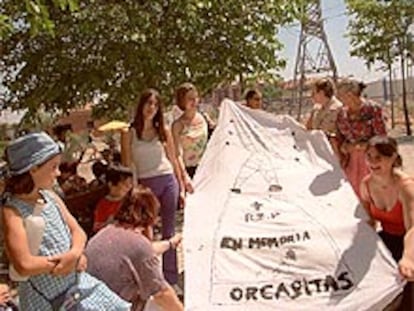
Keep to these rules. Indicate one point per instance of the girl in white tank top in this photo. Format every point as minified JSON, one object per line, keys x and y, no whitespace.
{"x":149,"y":149}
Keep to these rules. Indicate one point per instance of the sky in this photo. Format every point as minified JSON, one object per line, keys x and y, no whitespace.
{"x":336,"y":21}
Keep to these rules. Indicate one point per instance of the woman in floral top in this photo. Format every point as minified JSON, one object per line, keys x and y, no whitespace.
{"x":190,"y":131}
{"x":357,"y":122}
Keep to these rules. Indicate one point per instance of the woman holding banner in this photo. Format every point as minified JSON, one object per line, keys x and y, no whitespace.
{"x":325,"y":110}
{"x":387,"y":194}
{"x":254,"y":99}
{"x":357,"y":122}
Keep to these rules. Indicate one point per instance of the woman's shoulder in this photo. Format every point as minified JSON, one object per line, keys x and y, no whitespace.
{"x":404,"y":180}
{"x":11,"y":208}
{"x":128,"y":240}
{"x":111,"y":232}
{"x":405,"y":184}
{"x":16,"y":206}
{"x":177,"y":125}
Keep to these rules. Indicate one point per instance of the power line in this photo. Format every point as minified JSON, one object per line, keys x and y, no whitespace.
{"x":324,"y":19}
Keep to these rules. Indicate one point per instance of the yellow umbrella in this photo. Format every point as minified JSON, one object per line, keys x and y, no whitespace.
{"x":113,"y":125}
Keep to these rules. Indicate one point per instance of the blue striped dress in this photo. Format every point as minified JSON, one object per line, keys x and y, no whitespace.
{"x":57,"y":239}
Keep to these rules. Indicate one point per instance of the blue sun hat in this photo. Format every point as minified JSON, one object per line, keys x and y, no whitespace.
{"x":30,"y":150}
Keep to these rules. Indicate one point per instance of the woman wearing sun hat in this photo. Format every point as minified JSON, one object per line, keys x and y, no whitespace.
{"x":52,"y":269}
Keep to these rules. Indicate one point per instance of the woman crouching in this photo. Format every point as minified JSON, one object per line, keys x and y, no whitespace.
{"x":122,"y":256}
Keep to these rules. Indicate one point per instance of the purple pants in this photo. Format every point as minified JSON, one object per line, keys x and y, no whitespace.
{"x":166,"y":189}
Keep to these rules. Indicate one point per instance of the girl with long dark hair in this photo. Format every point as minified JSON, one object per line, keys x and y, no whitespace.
{"x":149,"y":149}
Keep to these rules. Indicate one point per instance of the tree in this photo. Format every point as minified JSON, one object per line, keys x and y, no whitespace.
{"x":111,"y":50}
{"x":33,"y":12}
{"x":379,"y":32}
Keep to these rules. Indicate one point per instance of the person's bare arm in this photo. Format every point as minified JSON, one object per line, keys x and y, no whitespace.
{"x":68,"y":261}
{"x":406,"y":264}
{"x":167,"y":300}
{"x":161,"y":247}
{"x":126,"y":137}
{"x":172,"y":156}
{"x":17,"y":246}
{"x":176,"y":130}
{"x":149,"y":273}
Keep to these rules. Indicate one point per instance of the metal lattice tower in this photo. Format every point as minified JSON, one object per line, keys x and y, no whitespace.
{"x":314,"y":55}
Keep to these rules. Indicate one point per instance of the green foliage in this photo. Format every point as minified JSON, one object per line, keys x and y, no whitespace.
{"x":114,"y":49}
{"x":378,"y":29}
{"x":5,"y":26}
{"x":32,"y":13}
{"x":272,"y":91}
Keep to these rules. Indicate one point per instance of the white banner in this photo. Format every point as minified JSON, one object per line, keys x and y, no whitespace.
{"x":273,"y":224}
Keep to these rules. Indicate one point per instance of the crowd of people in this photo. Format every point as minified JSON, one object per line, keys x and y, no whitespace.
{"x":119,"y":267}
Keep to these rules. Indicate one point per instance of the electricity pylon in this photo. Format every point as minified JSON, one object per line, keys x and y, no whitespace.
{"x":314,"y":56}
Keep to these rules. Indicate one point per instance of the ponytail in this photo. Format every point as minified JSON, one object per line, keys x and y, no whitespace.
{"x":398,"y":161}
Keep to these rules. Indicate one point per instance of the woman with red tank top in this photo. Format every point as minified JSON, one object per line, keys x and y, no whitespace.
{"x":387,"y":194}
